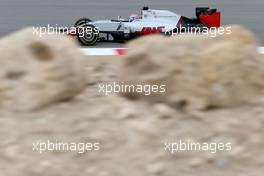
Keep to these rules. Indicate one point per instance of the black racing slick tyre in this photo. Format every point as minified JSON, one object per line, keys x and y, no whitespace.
{"x":88,"y":35}
{"x":82,"y":21}
{"x":201,"y":27}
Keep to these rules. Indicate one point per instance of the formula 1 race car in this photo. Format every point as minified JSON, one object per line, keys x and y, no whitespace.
{"x":150,"y":21}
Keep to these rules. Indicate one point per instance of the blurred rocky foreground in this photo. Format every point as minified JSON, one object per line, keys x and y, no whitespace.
{"x":49,"y":91}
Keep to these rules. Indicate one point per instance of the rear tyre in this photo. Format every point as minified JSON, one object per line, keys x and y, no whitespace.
{"x":82,"y":21}
{"x":201,"y":27}
{"x":88,"y":35}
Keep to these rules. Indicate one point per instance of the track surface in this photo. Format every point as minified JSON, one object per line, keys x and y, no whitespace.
{"x":17,"y":14}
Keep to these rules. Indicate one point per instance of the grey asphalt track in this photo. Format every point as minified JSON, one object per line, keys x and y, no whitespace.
{"x":17,"y":14}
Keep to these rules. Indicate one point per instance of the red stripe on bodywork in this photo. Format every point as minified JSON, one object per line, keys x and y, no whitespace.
{"x":212,"y":20}
{"x":179,"y":22}
{"x":120,"y":51}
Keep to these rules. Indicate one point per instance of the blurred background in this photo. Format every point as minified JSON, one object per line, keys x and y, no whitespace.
{"x":16,"y":14}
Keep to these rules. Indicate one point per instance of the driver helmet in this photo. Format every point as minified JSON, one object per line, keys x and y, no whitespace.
{"x":133,"y":17}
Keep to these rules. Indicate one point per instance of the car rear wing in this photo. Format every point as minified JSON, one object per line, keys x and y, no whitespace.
{"x":209,"y":17}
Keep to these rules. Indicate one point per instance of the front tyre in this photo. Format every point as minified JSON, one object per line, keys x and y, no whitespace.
{"x":88,"y":35}
{"x":82,"y":21}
